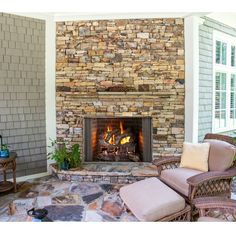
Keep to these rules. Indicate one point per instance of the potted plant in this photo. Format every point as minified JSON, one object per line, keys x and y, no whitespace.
{"x":74,"y":157}
{"x":4,"y":152}
{"x":65,"y":158}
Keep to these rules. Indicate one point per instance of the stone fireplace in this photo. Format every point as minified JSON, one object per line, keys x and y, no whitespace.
{"x":118,"y":139}
{"x":131,"y":69}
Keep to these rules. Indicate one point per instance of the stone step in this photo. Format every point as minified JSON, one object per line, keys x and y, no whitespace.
{"x":121,"y":173}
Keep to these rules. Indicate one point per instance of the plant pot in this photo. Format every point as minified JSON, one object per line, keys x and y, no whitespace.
{"x":64,"y":165}
{"x":4,"y":153}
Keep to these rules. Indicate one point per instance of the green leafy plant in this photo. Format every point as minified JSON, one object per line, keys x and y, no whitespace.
{"x":4,"y":147}
{"x":65,"y":158}
{"x":74,"y":157}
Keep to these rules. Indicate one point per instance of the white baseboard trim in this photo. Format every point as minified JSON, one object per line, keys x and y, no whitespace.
{"x":28,"y":177}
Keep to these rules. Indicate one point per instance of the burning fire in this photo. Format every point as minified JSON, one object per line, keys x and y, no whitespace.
{"x":112,"y":140}
{"x":126,"y":139}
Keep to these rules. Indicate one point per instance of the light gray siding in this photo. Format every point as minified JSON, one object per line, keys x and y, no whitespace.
{"x":22,"y":91}
{"x":206,"y":72}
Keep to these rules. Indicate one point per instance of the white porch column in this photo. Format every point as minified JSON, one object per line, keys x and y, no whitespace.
{"x":191,"y":34}
{"x":50,"y":82}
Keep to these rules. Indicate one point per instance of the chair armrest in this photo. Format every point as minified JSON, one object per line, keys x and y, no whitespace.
{"x":214,"y":202}
{"x":169,"y":162}
{"x":211,"y":175}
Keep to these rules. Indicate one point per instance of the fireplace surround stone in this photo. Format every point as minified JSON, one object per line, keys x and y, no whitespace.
{"x":121,"y":68}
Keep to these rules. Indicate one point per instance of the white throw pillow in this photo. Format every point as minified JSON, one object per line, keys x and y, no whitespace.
{"x":195,"y":156}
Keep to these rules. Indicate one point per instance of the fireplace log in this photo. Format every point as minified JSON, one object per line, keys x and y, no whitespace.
{"x":103,"y":157}
{"x":110,"y":133}
{"x":133,"y":157}
{"x":103,"y":144}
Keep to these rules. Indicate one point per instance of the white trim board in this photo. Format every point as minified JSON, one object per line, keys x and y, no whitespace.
{"x":191,"y":33}
{"x":106,"y":16}
{"x":50,"y":83}
{"x":28,"y":177}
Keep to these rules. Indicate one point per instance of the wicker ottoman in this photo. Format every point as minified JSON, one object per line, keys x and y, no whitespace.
{"x":152,"y":200}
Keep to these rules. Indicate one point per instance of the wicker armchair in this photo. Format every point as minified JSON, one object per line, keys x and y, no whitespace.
{"x":216,"y":209}
{"x":211,"y":183}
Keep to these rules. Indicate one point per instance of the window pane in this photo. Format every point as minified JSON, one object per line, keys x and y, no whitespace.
{"x":231,"y":114}
{"x":217,"y":101}
{"x":217,"y":81}
{"x":223,"y":119}
{"x":223,"y":81}
{"x":232,"y":100}
{"x":224,"y":49}
{"x":233,"y":82}
{"x":223,"y":100}
{"x":218,"y":51}
{"x":220,"y":100}
{"x":233,"y":56}
{"x":217,"y":119}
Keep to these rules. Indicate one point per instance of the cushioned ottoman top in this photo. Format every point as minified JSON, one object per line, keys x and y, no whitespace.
{"x":151,"y":200}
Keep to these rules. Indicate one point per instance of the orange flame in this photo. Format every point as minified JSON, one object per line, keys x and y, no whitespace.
{"x":126,"y":139}
{"x":121,"y":128}
{"x":113,"y":138}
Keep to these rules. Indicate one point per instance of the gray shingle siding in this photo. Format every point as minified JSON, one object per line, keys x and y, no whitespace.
{"x":206,"y":72}
{"x":22,"y":91}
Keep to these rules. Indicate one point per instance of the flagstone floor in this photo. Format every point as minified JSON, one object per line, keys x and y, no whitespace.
{"x":65,"y":201}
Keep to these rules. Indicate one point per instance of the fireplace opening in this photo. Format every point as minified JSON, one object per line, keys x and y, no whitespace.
{"x":121,"y":139}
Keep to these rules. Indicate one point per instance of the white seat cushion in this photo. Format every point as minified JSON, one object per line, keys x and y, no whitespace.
{"x":177,"y":178}
{"x":151,"y":200}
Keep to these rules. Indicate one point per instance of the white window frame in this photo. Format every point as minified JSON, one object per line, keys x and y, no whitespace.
{"x":228,"y":69}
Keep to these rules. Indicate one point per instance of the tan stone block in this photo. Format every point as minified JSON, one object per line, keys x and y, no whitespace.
{"x":111,"y":28}
{"x":89,"y":109}
{"x":179,"y":21}
{"x":143,"y":35}
{"x":127,"y":113}
{"x":177,"y":130}
{"x":121,"y":22}
{"x":106,"y":83}
{"x":181,"y":52}
{"x":133,"y":109}
{"x":60,"y":42}
{"x":70,"y":27}
{"x":181,"y":75}
{"x":179,"y":62}
{"x":95,"y":23}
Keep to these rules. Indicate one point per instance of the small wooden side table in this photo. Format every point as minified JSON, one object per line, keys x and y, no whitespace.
{"x":5,"y":165}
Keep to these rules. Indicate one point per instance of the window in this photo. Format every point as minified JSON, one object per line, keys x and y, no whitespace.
{"x":233,"y":101}
{"x":221,"y":49}
{"x":224,"y":109}
{"x":233,"y":62}
{"x":220,"y":100}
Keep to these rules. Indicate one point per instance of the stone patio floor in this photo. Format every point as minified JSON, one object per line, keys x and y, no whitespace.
{"x":67,"y":201}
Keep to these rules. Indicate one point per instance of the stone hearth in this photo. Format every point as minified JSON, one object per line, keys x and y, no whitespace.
{"x":112,"y":173}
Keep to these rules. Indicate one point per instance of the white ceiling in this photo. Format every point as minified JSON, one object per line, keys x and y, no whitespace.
{"x":228,"y":18}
